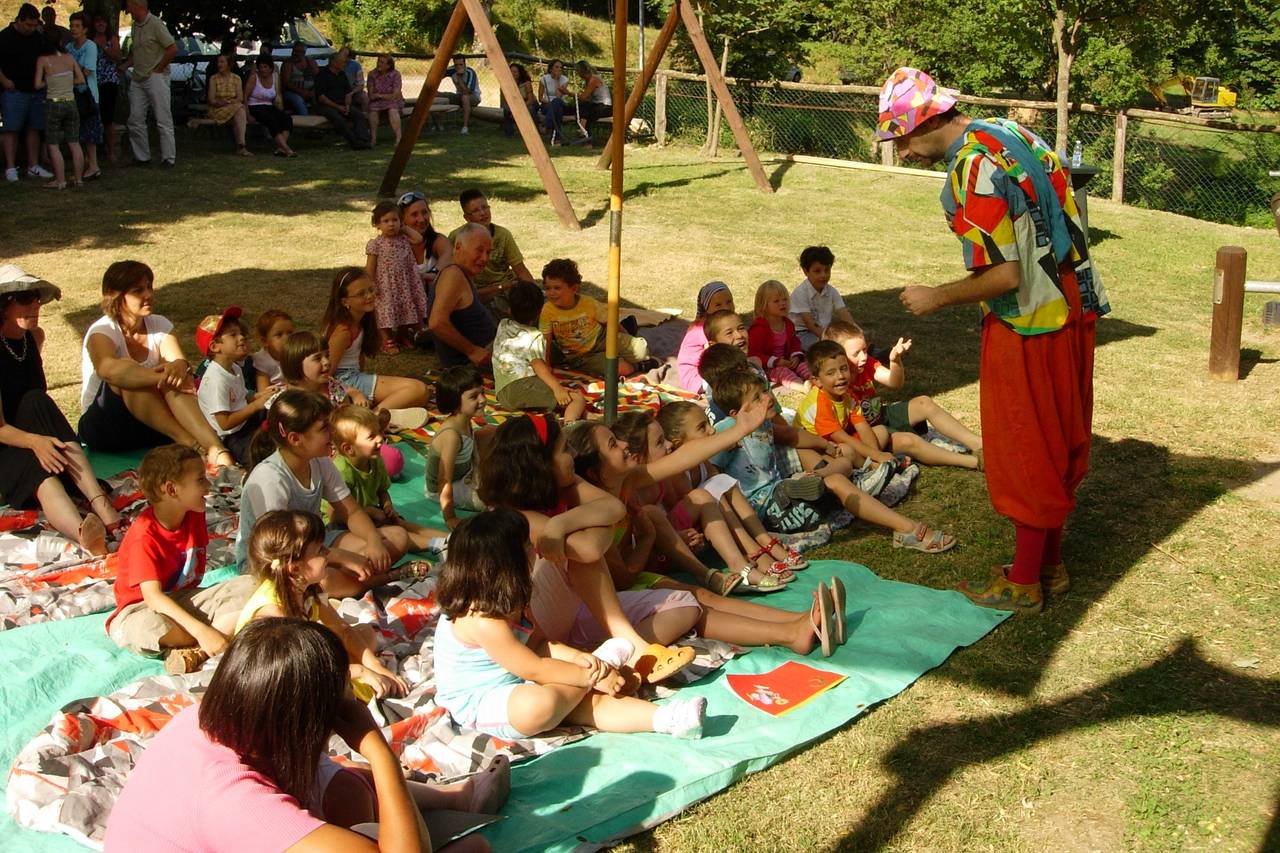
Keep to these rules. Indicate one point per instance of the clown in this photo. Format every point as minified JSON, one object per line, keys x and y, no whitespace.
{"x":1008,"y":199}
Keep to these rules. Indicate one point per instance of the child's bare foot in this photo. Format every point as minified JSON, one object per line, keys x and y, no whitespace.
{"x":490,"y":787}
{"x":806,"y":631}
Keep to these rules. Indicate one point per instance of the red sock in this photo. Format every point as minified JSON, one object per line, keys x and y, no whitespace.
{"x":1027,"y":555}
{"x":1052,"y":547}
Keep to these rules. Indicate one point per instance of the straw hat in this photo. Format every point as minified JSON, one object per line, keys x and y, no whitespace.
{"x":13,"y":279}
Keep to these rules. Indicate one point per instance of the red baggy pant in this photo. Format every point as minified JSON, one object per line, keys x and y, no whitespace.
{"x":1037,"y":415}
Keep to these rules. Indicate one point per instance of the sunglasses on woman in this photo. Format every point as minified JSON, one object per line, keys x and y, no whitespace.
{"x":410,"y":197}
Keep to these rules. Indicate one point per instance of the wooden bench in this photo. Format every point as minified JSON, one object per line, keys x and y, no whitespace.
{"x":439,"y":110}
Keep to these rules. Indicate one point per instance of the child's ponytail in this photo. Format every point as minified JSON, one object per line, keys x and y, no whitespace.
{"x":279,"y":539}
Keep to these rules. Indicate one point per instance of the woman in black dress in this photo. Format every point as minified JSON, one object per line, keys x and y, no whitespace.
{"x":40,"y":460}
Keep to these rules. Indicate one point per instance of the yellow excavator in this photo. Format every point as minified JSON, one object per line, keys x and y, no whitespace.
{"x":1205,"y":96}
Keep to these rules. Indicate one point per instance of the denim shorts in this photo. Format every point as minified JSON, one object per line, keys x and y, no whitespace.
{"x":358,"y":379}
{"x":22,"y":111}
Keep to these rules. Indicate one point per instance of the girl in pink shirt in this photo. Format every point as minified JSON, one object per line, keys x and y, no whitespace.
{"x":714,"y":296}
{"x":229,"y":774}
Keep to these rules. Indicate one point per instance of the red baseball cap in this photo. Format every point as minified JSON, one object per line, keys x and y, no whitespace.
{"x":211,"y":327}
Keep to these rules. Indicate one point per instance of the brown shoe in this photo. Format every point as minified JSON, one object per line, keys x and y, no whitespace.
{"x":1002,"y":594}
{"x":182,"y":661}
{"x":1053,"y":579}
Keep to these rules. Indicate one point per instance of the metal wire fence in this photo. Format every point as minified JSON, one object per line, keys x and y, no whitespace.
{"x":1208,"y":173}
{"x":1204,"y":172}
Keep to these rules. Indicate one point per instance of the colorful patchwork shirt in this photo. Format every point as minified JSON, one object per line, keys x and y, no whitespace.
{"x":992,"y":205}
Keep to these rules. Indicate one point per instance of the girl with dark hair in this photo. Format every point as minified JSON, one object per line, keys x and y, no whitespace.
{"x":496,"y":674}
{"x":288,"y":556}
{"x":435,"y":252}
{"x":109,"y":54}
{"x":299,"y":474}
{"x":305,"y":365}
{"x":136,"y":387}
{"x":40,"y":460}
{"x":351,"y":327}
{"x":452,"y":462}
{"x":527,"y":95}
{"x":247,"y":768}
{"x":571,"y":524}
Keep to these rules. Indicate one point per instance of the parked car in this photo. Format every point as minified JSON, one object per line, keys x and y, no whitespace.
{"x":319,"y":48}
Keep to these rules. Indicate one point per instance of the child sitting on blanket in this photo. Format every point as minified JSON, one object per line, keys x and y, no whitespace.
{"x":247,"y":767}
{"x":494,"y":671}
{"x":575,"y":326}
{"x":522,"y":376}
{"x":351,"y":330}
{"x":762,"y":471}
{"x":160,"y":607}
{"x":274,"y":327}
{"x":451,"y":465}
{"x":288,"y":558}
{"x":305,"y":365}
{"x":714,"y":296}
{"x":300,"y":475}
{"x":232,"y":414}
{"x":357,"y":436}
{"x":571,"y":523}
{"x":772,"y":339}
{"x":894,"y":424}
{"x":640,"y":473}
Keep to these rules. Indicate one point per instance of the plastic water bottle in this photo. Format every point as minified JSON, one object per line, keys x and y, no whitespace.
{"x":1077,"y":155}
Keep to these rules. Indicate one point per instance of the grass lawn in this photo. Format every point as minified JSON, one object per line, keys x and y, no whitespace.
{"x":1138,"y":712}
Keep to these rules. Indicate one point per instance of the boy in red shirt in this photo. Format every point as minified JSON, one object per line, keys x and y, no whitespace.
{"x":893,"y":424}
{"x":160,"y":607}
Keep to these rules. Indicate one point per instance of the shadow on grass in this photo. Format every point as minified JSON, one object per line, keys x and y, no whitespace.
{"x":1180,"y":682}
{"x":1251,"y":358}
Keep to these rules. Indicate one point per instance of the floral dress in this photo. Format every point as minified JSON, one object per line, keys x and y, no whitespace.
{"x":401,"y":298}
{"x":384,"y":84}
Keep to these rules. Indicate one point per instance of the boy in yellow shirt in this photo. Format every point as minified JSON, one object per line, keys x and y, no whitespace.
{"x":574,"y":326}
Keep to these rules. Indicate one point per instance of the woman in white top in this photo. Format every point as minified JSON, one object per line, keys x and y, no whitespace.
{"x":136,"y":389}
{"x":264,"y":97}
{"x":553,"y":88}
{"x":594,"y":101}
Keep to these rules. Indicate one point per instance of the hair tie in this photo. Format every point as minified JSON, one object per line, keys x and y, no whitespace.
{"x":276,"y":564}
{"x":540,"y":426}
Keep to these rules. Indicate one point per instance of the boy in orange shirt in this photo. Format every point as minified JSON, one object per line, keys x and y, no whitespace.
{"x":160,"y":607}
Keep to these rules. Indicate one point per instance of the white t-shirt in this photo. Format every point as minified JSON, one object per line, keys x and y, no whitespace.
{"x":157,"y":328}
{"x":265,"y":364}
{"x":515,"y":348}
{"x":551,"y":87}
{"x":600,"y":95}
{"x":805,"y":299}
{"x":222,"y":391}
{"x":271,"y":485}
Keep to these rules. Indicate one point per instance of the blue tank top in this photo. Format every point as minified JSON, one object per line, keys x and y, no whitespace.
{"x":474,"y":322}
{"x":465,"y":674}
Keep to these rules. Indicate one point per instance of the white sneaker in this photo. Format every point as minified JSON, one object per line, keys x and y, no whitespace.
{"x":11,"y":175}
{"x":465,"y":129}
{"x":38,"y":171}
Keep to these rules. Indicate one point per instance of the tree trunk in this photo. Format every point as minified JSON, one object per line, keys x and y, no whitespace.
{"x":1063,"y":45}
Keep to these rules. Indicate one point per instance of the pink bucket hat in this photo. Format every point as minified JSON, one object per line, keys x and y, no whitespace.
{"x":908,"y":98}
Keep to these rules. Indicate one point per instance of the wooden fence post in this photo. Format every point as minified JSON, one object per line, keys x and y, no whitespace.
{"x":886,"y":153}
{"x":714,"y":141}
{"x":1117,"y":158}
{"x":660,"y":108}
{"x":1228,"y":313}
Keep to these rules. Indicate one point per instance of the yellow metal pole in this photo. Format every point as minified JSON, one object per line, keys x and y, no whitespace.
{"x":617,"y":139}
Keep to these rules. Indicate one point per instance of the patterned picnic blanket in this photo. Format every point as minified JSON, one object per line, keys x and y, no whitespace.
{"x":633,"y":395}
{"x":67,"y":779}
{"x":45,"y":576}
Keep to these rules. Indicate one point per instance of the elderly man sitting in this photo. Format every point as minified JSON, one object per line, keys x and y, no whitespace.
{"x":463,"y":328}
{"x":334,"y":101}
{"x":506,"y":264}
